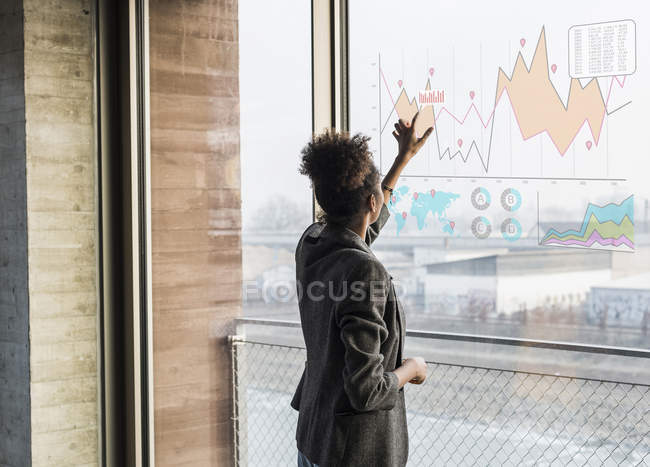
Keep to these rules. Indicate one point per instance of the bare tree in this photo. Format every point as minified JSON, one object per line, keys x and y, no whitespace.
{"x":280,"y":213}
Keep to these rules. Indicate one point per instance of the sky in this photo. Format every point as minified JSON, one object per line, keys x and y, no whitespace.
{"x":275,"y":86}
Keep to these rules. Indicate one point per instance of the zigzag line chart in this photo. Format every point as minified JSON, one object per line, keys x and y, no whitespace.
{"x":537,"y":108}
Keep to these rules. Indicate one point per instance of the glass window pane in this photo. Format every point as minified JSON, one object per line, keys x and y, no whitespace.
{"x":526,"y":212}
{"x":275,"y":80}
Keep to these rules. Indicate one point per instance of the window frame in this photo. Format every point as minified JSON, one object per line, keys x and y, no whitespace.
{"x":330,"y":70}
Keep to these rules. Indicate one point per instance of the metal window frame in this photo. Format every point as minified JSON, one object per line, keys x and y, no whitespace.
{"x":330,"y":58}
{"x":124,"y":233}
{"x":329,"y":69}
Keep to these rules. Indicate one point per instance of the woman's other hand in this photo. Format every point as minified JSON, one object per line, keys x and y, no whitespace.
{"x":412,"y":370}
{"x":420,"y":367}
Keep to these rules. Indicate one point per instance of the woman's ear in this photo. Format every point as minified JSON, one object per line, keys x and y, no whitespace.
{"x":372,"y":203}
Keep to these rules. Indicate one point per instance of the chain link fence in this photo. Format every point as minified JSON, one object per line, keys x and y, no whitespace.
{"x":462,"y":415}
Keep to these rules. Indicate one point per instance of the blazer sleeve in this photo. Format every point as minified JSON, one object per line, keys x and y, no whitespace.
{"x":373,"y":229}
{"x":362,"y":329}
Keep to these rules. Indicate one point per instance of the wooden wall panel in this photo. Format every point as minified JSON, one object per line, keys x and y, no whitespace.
{"x":196,"y":223}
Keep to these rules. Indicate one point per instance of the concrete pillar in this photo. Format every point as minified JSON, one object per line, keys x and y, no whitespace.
{"x":48,"y":265}
{"x":14,"y":301}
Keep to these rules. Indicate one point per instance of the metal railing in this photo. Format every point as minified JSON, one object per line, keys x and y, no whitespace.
{"x":463,"y":414}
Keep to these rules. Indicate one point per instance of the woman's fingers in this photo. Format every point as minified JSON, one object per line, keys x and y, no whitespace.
{"x":396,"y":135}
{"x":420,"y":141}
{"x":415,"y":118}
{"x":401,"y":125}
{"x":424,"y":137}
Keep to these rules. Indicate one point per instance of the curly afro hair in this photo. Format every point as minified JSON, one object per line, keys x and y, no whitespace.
{"x":342,"y":173}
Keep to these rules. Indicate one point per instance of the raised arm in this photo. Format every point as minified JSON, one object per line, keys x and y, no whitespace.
{"x":408,"y":146}
{"x":373,"y":229}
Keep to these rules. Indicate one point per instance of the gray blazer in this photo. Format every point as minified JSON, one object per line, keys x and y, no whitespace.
{"x":351,"y":409}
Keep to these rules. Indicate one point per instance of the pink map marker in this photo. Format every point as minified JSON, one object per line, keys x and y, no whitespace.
{"x":433,"y":193}
{"x":588,"y":144}
{"x":522,"y":41}
{"x":403,"y":214}
{"x":431,"y":70}
{"x":554,"y":68}
{"x":472,"y":94}
{"x":415,"y":196}
{"x":460,"y":142}
{"x":392,"y":198}
{"x":452,"y":224}
{"x":399,"y":83}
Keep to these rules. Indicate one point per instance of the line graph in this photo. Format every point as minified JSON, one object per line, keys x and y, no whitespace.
{"x":535,"y":103}
{"x":472,"y":106}
{"x":610,"y":226}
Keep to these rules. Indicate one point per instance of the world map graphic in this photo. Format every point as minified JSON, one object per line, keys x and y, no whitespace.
{"x":405,"y":205}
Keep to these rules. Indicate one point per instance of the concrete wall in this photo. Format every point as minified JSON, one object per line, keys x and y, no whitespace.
{"x":14,"y":309}
{"x":61,"y":213}
{"x":196,"y":225}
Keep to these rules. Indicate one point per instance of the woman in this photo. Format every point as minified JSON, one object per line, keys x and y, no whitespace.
{"x":350,"y":397}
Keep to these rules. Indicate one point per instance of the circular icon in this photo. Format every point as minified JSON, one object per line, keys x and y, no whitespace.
{"x":511,"y":229}
{"x":511,"y":199}
{"x":481,"y":198}
{"x":481,"y":227}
